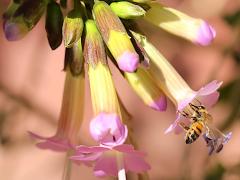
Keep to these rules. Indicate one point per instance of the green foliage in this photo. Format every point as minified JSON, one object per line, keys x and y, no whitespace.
{"x":216,"y":173}
{"x":233,"y":19}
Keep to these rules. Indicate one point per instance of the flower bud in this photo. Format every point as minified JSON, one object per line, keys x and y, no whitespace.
{"x":53,"y":26}
{"x":72,"y":28}
{"x":127,"y":10}
{"x":108,"y":129}
{"x":145,"y":87}
{"x":21,"y":17}
{"x":116,"y":37}
{"x":94,"y":51}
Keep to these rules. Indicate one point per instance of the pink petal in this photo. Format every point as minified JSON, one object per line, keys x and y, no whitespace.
{"x":206,"y":34}
{"x":108,"y":129}
{"x":128,"y":61}
{"x":209,"y":100}
{"x":53,"y":143}
{"x":106,"y":165}
{"x":127,"y":148}
{"x":91,"y":149}
{"x":135,"y":163}
{"x":209,"y":88}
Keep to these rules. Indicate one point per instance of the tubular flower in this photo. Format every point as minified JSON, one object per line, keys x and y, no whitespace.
{"x":191,"y":105}
{"x":116,"y":37}
{"x":107,"y":29}
{"x":178,"y":23}
{"x":143,"y":84}
{"x":111,"y":157}
{"x":71,"y":115}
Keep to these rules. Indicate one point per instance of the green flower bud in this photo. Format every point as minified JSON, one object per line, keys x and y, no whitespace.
{"x":53,"y":26}
{"x":94,"y":50}
{"x":115,"y":36}
{"x":127,"y":10}
{"x":21,"y":17}
{"x":72,"y":28}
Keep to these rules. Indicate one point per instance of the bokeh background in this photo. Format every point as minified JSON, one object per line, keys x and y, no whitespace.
{"x":31,"y":85}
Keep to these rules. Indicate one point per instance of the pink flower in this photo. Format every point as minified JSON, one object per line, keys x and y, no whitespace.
{"x":108,"y":130}
{"x":106,"y":161}
{"x":54,"y":143}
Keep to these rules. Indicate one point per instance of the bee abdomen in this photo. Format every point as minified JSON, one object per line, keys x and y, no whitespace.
{"x":193,"y":133}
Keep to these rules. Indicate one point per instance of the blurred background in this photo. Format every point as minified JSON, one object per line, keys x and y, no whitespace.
{"x":31,"y":85}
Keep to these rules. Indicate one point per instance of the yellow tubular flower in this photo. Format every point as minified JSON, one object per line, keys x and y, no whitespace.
{"x":180,"y":24}
{"x":116,"y":37}
{"x":143,"y":84}
{"x":104,"y":98}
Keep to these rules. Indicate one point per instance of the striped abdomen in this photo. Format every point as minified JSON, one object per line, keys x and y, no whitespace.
{"x":195,"y":130}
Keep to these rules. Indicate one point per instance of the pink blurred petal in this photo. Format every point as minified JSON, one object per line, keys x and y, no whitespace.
{"x":53,"y":143}
{"x":206,"y":34}
{"x":209,"y":100}
{"x":91,"y":149}
{"x":209,"y":88}
{"x":106,"y":165}
{"x":128,"y":61}
{"x":135,"y":163}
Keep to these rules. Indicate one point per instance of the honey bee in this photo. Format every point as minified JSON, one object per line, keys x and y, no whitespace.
{"x":200,"y":118}
{"x":201,"y":124}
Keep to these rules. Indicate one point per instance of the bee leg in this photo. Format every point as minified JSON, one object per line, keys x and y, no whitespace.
{"x":184,"y":114}
{"x":185,"y":128}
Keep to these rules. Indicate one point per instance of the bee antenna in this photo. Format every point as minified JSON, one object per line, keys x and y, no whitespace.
{"x":198,"y":102}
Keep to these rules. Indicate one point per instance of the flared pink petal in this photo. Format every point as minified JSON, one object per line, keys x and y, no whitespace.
{"x":53,"y":143}
{"x":90,"y":149}
{"x":135,"y":163}
{"x":209,"y":100}
{"x":127,"y":148}
{"x":106,"y":166}
{"x":209,"y":88}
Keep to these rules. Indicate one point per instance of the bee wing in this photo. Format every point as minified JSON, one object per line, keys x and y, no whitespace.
{"x":209,"y":118}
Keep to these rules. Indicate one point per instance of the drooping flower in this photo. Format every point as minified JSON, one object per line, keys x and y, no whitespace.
{"x":111,"y":156}
{"x":107,"y":160}
{"x":71,"y":115}
{"x":187,"y":101}
{"x":116,"y":37}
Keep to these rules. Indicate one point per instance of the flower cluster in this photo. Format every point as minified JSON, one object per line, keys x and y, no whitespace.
{"x":92,"y":32}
